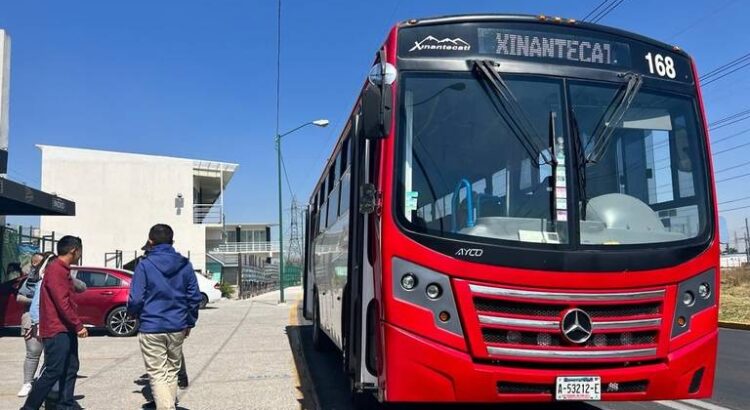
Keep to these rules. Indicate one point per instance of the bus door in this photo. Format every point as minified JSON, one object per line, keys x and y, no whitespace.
{"x":308,"y":276}
{"x":360,"y":284}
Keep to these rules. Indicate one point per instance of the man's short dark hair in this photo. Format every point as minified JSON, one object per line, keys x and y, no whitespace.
{"x":161,"y":234}
{"x":67,"y":244}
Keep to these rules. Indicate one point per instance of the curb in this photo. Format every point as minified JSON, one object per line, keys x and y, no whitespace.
{"x":734,"y":325}
{"x":303,"y":371}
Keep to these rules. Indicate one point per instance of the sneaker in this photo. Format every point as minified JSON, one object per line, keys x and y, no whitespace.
{"x":25,"y":389}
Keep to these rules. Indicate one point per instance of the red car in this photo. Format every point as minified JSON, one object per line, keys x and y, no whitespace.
{"x":102,"y":305}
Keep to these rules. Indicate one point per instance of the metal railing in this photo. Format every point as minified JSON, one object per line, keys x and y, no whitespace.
{"x":211,"y":214}
{"x":256,"y":280}
{"x":247,"y":247}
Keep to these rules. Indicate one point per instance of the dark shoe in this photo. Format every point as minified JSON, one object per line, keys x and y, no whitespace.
{"x":152,"y":405}
{"x":182,"y":383}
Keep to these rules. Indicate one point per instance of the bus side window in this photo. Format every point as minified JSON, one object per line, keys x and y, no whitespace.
{"x":345,"y":183}
{"x":333,"y":206}
{"x":322,"y":218}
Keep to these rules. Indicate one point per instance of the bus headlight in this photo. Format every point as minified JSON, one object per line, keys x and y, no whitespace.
{"x":408,"y":281}
{"x":704,"y":290}
{"x":688,"y":304}
{"x":428,"y":289}
{"x":688,"y":299}
{"x":433,"y":291}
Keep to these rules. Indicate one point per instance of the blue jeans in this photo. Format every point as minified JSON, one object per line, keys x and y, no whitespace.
{"x":60,"y":365}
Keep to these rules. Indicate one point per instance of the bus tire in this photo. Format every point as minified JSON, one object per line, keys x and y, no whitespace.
{"x":321,"y":342}
{"x":361,"y":399}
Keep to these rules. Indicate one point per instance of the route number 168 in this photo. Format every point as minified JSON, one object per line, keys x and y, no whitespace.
{"x":664,"y":66}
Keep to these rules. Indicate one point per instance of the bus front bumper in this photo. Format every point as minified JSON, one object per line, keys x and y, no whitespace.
{"x":419,"y":370}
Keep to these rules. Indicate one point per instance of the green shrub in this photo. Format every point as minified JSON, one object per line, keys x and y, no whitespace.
{"x":226,"y":289}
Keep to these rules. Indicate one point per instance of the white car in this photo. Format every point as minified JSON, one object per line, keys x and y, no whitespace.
{"x":209,"y":290}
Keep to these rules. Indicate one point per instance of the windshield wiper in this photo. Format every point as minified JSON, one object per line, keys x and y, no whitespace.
{"x":512,"y":113}
{"x":613,"y":115}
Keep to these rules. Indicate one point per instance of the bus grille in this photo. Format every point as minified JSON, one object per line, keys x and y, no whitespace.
{"x":520,"y":324}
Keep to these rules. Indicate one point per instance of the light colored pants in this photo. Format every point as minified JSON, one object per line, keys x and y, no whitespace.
{"x":33,"y":350}
{"x":30,"y":364}
{"x":162,"y":353}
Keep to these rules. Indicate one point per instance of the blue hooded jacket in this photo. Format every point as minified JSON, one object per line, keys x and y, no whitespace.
{"x":164,"y":292}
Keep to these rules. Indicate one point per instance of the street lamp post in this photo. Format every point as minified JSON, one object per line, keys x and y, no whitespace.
{"x":317,"y":123}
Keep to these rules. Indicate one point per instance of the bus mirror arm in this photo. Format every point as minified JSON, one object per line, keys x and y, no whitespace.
{"x":377,"y":105}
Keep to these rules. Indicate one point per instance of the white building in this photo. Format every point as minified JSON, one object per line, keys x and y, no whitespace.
{"x":119,"y":196}
{"x":733,"y":260}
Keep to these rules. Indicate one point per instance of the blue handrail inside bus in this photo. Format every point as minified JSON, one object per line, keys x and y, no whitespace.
{"x":469,"y":204}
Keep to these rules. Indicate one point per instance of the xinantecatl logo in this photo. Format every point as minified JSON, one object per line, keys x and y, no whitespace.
{"x":432,"y":43}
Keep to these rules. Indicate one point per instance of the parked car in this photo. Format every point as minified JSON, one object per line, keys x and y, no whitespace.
{"x":209,"y":289}
{"x":102,"y":305}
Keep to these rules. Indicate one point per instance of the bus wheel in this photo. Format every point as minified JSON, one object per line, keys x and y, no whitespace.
{"x":362,"y":399}
{"x":320,"y":340}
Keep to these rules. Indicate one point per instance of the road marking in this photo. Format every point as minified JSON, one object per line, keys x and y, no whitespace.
{"x":706,"y":405}
{"x":294,"y":321}
{"x":675,"y":405}
{"x":691,"y":405}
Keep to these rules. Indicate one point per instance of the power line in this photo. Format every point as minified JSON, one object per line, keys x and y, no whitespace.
{"x":730,"y":149}
{"x":734,"y":200}
{"x":594,"y":10}
{"x":723,"y":67}
{"x":608,"y":10}
{"x":734,"y":209}
{"x":732,"y":167}
{"x":747,"y":64}
{"x":734,"y":177}
{"x":702,"y":19}
{"x":286,"y":176}
{"x":729,"y":119}
{"x":745,"y":131}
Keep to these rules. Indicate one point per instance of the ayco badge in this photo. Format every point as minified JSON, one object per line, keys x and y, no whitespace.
{"x":475,"y":252}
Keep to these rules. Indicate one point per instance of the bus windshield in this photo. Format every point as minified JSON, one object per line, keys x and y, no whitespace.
{"x":471,"y":168}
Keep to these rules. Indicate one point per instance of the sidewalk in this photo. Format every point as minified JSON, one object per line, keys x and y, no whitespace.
{"x":238,"y":357}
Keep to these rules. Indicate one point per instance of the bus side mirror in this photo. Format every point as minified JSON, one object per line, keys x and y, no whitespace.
{"x":376,"y":111}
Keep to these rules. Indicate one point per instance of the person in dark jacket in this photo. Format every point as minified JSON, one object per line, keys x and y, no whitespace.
{"x":182,"y":376}
{"x":59,"y":328}
{"x":164,"y":296}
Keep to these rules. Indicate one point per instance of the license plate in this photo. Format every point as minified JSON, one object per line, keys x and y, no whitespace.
{"x":578,"y":388}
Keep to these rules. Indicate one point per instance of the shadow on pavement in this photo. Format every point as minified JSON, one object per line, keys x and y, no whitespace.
{"x":321,"y":374}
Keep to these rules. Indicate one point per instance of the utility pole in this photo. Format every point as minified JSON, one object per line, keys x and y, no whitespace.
{"x":747,"y":239}
{"x":294,"y":255}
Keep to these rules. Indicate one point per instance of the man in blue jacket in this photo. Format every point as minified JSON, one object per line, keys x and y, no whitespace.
{"x":164,"y":296}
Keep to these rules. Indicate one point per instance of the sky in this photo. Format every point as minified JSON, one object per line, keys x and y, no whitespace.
{"x":197,"y":79}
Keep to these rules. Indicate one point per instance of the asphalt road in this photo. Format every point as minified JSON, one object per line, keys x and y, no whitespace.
{"x":732,"y":389}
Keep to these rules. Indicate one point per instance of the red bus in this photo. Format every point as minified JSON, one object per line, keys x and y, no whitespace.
{"x":519,"y":208}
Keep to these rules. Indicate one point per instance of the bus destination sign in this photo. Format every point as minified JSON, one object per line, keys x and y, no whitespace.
{"x":545,"y":44}
{"x":524,"y":44}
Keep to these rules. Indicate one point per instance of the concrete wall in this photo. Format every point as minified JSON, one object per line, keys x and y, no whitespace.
{"x":118,"y":198}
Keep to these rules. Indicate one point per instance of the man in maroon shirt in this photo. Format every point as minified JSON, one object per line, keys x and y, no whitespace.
{"x":59,"y":327}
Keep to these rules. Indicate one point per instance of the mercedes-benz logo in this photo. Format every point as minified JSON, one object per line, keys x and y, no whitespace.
{"x":576,"y":326}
